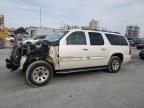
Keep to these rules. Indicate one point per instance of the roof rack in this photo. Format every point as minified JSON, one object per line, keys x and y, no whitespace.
{"x":103,"y":31}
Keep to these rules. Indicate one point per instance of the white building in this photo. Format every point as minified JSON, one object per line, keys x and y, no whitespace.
{"x":132,"y":31}
{"x":35,"y":31}
{"x":93,"y":24}
{"x":1,"y":22}
{"x":68,"y":27}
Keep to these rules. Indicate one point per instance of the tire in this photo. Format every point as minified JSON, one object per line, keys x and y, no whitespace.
{"x":39,"y":73}
{"x":2,"y":43}
{"x":141,"y":56}
{"x":114,"y":64}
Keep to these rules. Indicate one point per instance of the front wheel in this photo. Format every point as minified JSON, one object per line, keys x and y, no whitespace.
{"x":39,"y":73}
{"x":114,"y":64}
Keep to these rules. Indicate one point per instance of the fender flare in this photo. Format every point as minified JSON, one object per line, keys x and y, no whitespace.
{"x":50,"y":60}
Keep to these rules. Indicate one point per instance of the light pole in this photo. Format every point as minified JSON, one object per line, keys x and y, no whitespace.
{"x":40,"y":16}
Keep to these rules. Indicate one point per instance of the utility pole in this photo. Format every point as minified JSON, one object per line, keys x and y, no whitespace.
{"x":40,"y":16}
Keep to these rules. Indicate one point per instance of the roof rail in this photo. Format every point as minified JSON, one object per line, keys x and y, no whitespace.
{"x":103,"y":31}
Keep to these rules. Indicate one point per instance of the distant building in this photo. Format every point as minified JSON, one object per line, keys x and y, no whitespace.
{"x":11,"y":29}
{"x":1,"y":22}
{"x":132,"y":31}
{"x":93,"y":25}
{"x":85,"y":28}
{"x":33,"y":31}
{"x":68,"y":27}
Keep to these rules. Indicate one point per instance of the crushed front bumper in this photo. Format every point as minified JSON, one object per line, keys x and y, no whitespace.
{"x":10,"y":64}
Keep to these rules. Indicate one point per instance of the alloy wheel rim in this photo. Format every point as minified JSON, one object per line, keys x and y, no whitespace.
{"x":40,"y":74}
{"x":115,"y":65}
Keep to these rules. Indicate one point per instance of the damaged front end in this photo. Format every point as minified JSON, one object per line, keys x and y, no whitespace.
{"x":32,"y":52}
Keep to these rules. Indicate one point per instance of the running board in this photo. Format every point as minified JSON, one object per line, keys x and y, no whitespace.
{"x":81,"y":69}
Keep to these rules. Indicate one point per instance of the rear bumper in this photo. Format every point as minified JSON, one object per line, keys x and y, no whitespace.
{"x":127,"y":59}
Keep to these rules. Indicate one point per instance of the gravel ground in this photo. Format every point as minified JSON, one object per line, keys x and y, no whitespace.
{"x":96,"y":89}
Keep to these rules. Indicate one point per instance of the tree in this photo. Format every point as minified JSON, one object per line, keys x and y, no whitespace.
{"x":20,"y":30}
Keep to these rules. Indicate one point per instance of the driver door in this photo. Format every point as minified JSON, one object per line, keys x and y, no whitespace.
{"x":73,"y":50}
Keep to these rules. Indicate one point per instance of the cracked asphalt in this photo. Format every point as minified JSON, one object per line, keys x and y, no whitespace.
{"x":95,"y":89}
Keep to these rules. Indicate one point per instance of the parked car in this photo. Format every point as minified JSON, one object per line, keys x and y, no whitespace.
{"x":71,"y":51}
{"x":140,"y":46}
{"x":131,"y":42}
{"x":141,"y":54}
{"x":137,"y":41}
{"x":34,"y":39}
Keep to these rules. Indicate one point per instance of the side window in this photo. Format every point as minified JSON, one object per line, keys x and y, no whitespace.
{"x":76,"y":38}
{"x":116,"y":39}
{"x":96,"y":38}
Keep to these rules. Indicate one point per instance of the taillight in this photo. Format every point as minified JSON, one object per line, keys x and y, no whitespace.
{"x":129,"y":50}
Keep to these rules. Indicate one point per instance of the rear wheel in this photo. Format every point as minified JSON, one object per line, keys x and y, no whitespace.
{"x":114,"y":64}
{"x":39,"y":73}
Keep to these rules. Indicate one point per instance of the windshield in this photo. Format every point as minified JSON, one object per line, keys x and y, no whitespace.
{"x":56,"y":36}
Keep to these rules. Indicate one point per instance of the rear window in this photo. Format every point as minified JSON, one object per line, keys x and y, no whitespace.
{"x":116,"y":39}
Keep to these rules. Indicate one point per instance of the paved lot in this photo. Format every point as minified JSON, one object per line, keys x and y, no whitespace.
{"x":95,"y":89}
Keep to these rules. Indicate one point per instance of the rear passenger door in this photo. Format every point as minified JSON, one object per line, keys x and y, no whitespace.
{"x":98,"y":50}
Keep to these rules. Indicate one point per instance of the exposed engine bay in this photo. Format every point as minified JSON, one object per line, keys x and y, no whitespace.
{"x":32,"y":52}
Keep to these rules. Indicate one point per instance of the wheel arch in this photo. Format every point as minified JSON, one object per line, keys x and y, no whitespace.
{"x":50,"y":61}
{"x":120,"y":55}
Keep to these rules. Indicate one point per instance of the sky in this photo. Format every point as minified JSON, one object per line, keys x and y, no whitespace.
{"x":114,"y":15}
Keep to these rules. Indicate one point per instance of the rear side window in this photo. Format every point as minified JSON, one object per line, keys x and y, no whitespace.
{"x":96,"y":38}
{"x":76,"y":38}
{"x":116,"y":39}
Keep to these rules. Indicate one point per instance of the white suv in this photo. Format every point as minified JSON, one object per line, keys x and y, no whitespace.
{"x":72,"y":51}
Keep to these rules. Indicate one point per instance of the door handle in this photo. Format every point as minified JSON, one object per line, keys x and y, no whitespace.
{"x":85,"y":49}
{"x":103,"y":49}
